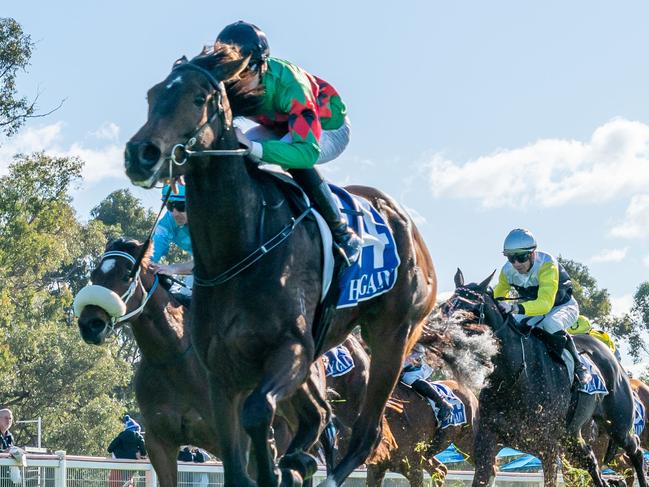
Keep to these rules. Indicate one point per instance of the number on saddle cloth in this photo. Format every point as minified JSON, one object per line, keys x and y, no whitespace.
{"x":375,"y":272}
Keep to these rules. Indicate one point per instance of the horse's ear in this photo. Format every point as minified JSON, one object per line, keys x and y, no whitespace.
{"x":181,"y":60}
{"x":459,"y":278}
{"x":484,"y":285}
{"x":231,"y":69}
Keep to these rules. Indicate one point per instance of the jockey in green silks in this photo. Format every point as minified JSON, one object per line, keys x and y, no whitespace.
{"x":302,"y":121}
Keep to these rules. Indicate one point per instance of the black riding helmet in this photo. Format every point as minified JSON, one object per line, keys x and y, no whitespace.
{"x":250,"y":39}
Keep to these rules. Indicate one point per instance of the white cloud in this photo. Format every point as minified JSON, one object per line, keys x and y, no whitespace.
{"x":100,"y":162}
{"x":636,"y":219}
{"x":443,"y":296}
{"x":610,"y":255}
{"x":417,"y":218}
{"x":621,"y":304}
{"x":552,"y":172}
{"x":645,"y":261}
{"x":108,"y":131}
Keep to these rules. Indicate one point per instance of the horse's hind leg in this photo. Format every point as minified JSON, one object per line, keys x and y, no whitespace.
{"x":631,"y":446}
{"x":282,"y":377}
{"x":388,"y":350}
{"x":583,"y":457}
{"x":375,"y":474}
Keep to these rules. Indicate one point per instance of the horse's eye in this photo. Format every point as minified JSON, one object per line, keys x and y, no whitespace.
{"x":126,"y":277}
{"x":199,"y":101}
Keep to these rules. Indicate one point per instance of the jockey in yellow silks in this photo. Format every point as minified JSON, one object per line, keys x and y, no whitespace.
{"x":583,"y":326}
{"x":535,"y":284}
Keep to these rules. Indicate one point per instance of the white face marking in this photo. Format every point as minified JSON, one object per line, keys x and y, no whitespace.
{"x":175,"y":81}
{"x":107,"y":265}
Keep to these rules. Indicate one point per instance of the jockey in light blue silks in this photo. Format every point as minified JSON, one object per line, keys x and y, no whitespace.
{"x":173,"y":228}
{"x":541,"y":288}
{"x":415,"y":373}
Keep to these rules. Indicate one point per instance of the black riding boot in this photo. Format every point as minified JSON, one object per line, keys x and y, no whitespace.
{"x":322,"y":198}
{"x":582,"y":374}
{"x":426,"y":390}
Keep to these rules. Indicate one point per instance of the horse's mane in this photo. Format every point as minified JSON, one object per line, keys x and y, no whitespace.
{"x":243,"y":101}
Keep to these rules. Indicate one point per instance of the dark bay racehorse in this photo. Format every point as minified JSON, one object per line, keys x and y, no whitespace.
{"x":602,"y":443}
{"x":170,"y":382}
{"x":252,"y":324}
{"x":418,"y":437}
{"x":528,"y":403}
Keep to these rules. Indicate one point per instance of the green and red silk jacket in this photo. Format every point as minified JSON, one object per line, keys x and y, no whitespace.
{"x":302,"y":105}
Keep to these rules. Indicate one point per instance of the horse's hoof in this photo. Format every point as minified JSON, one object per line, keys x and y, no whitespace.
{"x":302,"y":462}
{"x":289,"y":478}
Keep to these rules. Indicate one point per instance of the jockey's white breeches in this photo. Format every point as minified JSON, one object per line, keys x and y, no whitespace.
{"x":421,"y":373}
{"x":332,"y":142}
{"x":559,"y":318}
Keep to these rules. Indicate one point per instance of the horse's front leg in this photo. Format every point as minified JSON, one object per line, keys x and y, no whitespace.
{"x":485,"y":448}
{"x":230,"y":437}
{"x":313,"y":413}
{"x":582,"y":456}
{"x":285,"y":370}
{"x":163,"y":455}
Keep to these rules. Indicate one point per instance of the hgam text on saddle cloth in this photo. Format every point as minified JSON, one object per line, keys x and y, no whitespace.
{"x":376,"y":271}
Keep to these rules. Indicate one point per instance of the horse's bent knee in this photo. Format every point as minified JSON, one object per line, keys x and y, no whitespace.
{"x":257,"y":413}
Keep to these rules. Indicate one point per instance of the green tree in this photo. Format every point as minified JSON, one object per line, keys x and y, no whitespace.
{"x":15,"y":52}
{"x":635,"y":324}
{"x":46,"y":368}
{"x":593,"y":302}
{"x":124,"y":215}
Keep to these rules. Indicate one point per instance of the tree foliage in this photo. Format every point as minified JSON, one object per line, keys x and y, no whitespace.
{"x":593,"y":302}
{"x":15,"y":53}
{"x":46,"y":369}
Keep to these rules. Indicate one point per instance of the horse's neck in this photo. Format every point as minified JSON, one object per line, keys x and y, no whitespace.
{"x":224,"y":204}
{"x":159,"y":329}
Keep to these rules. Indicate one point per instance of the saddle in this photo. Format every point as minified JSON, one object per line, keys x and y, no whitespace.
{"x":554,"y":344}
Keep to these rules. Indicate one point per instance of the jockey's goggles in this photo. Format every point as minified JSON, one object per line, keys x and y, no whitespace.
{"x":520,"y":258}
{"x":177,"y":205}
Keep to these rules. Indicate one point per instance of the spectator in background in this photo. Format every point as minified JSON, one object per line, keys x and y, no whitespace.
{"x":130,"y":442}
{"x":185,"y":455}
{"x":6,"y":419}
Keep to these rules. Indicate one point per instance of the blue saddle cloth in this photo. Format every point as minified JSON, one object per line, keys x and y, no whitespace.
{"x":596,"y":385}
{"x":459,"y":410}
{"x":376,"y":271}
{"x":638,"y":415}
{"x":338,"y":361}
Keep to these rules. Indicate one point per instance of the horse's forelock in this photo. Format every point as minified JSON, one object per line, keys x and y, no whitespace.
{"x":124,"y":244}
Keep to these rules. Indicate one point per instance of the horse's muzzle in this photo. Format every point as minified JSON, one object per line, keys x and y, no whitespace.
{"x":140,"y":161}
{"x":94,"y":324}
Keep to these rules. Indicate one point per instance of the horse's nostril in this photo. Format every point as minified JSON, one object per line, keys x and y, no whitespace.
{"x":149,"y":154}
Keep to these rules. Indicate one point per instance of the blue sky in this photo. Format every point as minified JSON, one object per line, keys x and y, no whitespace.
{"x":477,"y":116}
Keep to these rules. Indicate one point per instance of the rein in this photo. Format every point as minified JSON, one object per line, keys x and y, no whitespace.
{"x":254,"y":256}
{"x":185,"y":149}
{"x":185,"y":152}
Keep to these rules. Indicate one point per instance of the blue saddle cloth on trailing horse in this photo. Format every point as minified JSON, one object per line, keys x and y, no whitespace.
{"x":375,"y":272}
{"x":638,"y":415}
{"x":458,"y":416}
{"x":596,"y":385}
{"x":338,"y":361}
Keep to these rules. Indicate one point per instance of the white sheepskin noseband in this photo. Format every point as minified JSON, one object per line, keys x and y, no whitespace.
{"x":100,"y":296}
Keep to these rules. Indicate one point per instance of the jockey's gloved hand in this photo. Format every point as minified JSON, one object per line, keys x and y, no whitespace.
{"x":254,"y":148}
{"x":507,"y":307}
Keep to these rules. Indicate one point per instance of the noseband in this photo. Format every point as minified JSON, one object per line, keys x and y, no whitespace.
{"x":94,"y":294}
{"x":184,"y":150}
